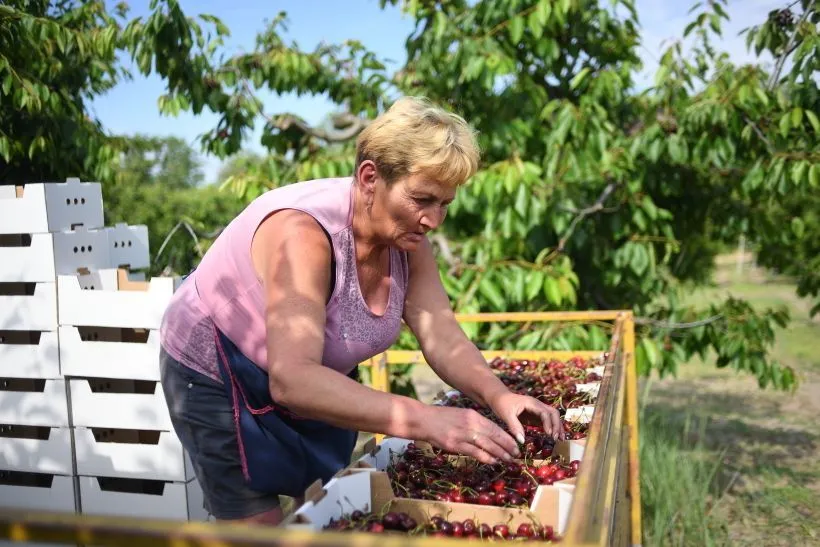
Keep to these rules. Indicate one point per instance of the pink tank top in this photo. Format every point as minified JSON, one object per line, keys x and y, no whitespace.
{"x":225,"y":291}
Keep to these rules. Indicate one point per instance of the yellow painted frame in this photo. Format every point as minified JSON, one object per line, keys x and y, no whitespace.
{"x":591,"y":524}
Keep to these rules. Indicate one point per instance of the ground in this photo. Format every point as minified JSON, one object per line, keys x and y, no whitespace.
{"x":768,"y":487}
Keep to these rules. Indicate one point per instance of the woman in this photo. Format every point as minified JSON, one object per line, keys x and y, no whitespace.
{"x":260,"y":344}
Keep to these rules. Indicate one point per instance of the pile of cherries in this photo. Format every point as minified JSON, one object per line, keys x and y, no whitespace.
{"x":431,"y":475}
{"x":438,"y":526}
{"x":552,"y":382}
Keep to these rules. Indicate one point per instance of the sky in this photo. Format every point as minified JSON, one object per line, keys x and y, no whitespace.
{"x":131,"y":107}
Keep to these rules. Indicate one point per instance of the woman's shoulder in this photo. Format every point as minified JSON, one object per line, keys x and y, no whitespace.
{"x":327,"y":200}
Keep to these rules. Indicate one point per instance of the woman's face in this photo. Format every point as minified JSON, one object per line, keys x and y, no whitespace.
{"x":411,"y":207}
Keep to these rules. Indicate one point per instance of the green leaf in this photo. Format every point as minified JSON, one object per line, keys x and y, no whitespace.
{"x":651,"y":352}
{"x":798,"y":227}
{"x":535,"y":280}
{"x":797,"y":116}
{"x":578,"y":78}
{"x":516,"y":29}
{"x":814,"y":175}
{"x":813,"y":120}
{"x":640,"y":260}
{"x":519,"y":285}
{"x":552,"y":291}
{"x":488,"y":289}
{"x":785,"y":124}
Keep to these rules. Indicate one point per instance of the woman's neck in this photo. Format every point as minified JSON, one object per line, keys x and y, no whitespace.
{"x":369,"y":245}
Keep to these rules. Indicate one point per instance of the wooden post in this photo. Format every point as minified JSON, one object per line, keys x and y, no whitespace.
{"x":632,"y":424}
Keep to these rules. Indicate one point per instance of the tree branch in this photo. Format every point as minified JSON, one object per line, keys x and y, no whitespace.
{"x":585,"y":212}
{"x":446,"y":253}
{"x":672,"y":326}
{"x":787,"y":50}
{"x":353,"y":125}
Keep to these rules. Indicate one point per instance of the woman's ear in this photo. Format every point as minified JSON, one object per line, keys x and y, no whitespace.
{"x":366,"y":176}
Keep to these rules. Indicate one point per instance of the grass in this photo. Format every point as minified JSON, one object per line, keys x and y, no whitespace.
{"x":679,"y":482}
{"x":723,"y":462}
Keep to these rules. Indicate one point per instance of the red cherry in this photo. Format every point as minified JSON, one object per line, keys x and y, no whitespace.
{"x":524,"y":530}
{"x":501,"y":530}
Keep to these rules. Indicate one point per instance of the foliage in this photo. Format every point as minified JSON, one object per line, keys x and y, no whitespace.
{"x":157,"y":184}
{"x":54,"y":57}
{"x":593,"y":193}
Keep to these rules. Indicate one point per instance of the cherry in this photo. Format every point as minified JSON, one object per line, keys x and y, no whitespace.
{"x":574,"y":465}
{"x":485,"y":530}
{"x":485,"y":499}
{"x":525,"y":530}
{"x":547,"y":532}
{"x":499,"y":485}
{"x":501,"y":530}
{"x":376,"y":527}
{"x":515,"y":499}
{"x":391,"y":521}
{"x":458,"y":529}
{"x":469,"y":527}
{"x":446,"y":527}
{"x":560,"y":475}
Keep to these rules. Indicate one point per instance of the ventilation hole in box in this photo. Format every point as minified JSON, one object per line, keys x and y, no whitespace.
{"x":126,"y":436}
{"x":23,"y":384}
{"x":75,"y":201}
{"x":89,"y":248}
{"x":115,"y":245}
{"x":119,"y":385}
{"x":82,"y":201}
{"x":138,"y":486}
{"x":82,"y":249}
{"x":15,"y":240}
{"x":129,"y":243}
{"x":25,"y":432}
{"x":17,"y":289}
{"x":20,"y":337}
{"x":122,"y":243}
{"x":75,"y":250}
{"x":67,"y":201}
{"x":20,"y":478}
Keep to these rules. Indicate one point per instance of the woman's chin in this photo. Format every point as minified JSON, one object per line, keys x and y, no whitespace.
{"x":409,"y":242}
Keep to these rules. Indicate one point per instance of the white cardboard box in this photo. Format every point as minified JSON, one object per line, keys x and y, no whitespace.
{"x":128,"y":246}
{"x":369,"y":492}
{"x":27,"y":257}
{"x":581,"y":414}
{"x":156,"y":455}
{"x":50,"y":207}
{"x":36,"y":449}
{"x":142,"y":499}
{"x":93,"y":352}
{"x":114,"y":404}
{"x":37,"y":492}
{"x":26,"y":401}
{"x":26,"y":354}
{"x":28,"y":306}
{"x":108,"y":298}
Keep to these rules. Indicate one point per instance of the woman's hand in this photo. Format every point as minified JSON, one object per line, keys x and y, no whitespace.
{"x":510,"y":407}
{"x":467,"y":432}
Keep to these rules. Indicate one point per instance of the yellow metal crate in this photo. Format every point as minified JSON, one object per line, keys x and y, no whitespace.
{"x":606,"y":504}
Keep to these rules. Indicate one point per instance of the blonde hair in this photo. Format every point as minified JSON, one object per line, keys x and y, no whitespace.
{"x":414,"y":136}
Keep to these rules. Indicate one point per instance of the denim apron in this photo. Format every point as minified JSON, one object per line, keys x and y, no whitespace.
{"x":280,"y":452}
